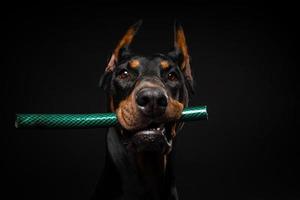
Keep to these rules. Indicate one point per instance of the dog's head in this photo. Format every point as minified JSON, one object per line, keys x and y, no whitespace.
{"x":148,"y":94}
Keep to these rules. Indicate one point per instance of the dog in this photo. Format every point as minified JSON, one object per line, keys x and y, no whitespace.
{"x":148,"y":95}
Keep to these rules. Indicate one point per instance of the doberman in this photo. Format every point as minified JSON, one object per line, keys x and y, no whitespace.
{"x":148,"y":94}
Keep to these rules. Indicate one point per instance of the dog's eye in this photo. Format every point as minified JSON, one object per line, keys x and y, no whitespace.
{"x":124,"y":74}
{"x":172,"y":76}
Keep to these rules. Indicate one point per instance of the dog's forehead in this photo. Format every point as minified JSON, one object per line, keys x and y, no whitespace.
{"x":153,"y":63}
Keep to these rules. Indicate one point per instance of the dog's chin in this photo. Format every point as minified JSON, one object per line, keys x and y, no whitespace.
{"x":155,"y":138}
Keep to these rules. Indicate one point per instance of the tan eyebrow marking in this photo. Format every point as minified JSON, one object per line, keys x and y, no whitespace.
{"x":164,"y":64}
{"x":134,"y":63}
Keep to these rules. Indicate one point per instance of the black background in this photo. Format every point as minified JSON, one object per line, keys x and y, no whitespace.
{"x":244,"y":65}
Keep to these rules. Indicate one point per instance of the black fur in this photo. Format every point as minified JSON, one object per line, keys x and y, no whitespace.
{"x":120,"y":178}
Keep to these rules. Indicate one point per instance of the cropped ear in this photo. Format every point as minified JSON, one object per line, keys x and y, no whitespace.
{"x":181,"y":56}
{"x":122,"y":48}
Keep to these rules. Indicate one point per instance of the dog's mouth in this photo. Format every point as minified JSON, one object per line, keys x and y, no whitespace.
{"x":144,"y":132}
{"x":154,"y":138}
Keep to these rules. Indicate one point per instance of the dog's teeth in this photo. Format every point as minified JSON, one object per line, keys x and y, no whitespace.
{"x":155,"y":129}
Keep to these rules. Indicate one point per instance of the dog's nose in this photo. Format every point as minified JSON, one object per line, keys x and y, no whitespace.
{"x":152,"y":101}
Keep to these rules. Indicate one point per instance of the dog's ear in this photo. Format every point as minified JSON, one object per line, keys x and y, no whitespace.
{"x":181,"y":56}
{"x":121,"y":50}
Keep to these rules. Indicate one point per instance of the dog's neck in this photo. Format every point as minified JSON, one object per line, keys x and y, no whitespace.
{"x":151,"y":171}
{"x":143,"y":175}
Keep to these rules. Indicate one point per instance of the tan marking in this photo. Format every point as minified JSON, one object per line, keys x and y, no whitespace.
{"x":128,"y":114}
{"x":126,"y":40}
{"x":111,"y":63}
{"x":134,"y":63}
{"x":174,"y":110}
{"x":164,"y":64}
{"x":180,"y":43}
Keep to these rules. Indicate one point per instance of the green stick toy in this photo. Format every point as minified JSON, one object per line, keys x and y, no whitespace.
{"x":90,"y":120}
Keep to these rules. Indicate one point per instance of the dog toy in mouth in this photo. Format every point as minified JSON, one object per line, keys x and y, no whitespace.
{"x":94,"y":120}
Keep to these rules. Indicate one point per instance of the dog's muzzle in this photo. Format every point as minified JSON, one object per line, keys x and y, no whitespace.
{"x":146,"y":116}
{"x":152,"y":101}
